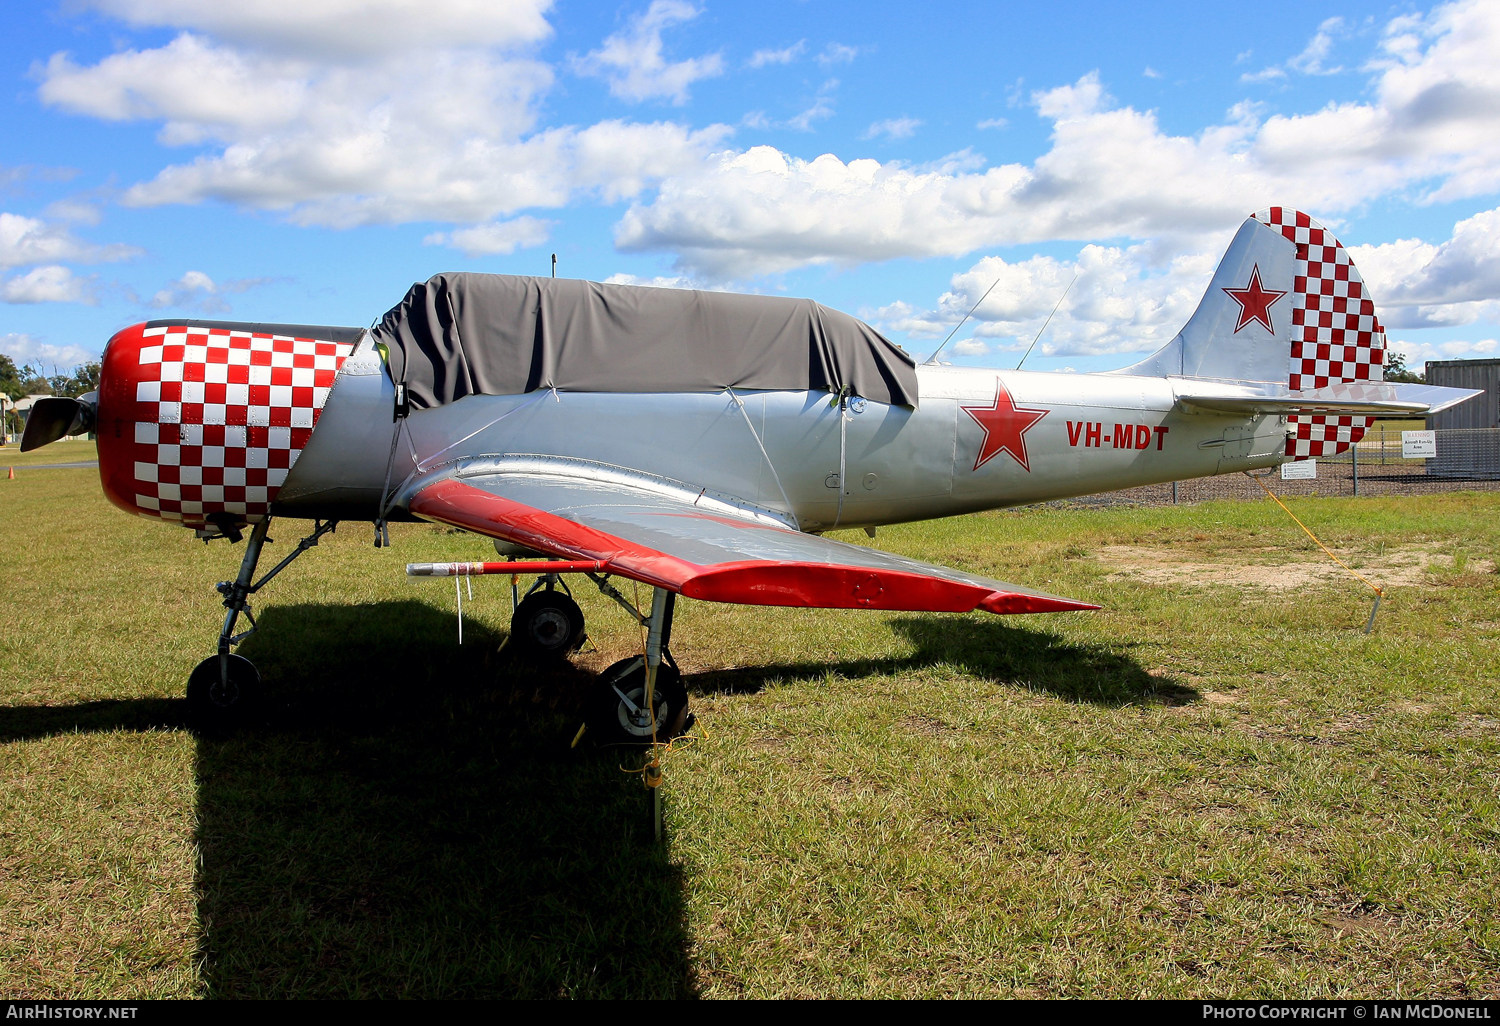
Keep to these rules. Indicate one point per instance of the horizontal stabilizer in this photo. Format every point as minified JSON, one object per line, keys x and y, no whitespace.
{"x":1339,"y":399}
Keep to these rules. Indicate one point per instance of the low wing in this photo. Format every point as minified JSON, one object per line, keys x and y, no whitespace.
{"x":661,"y":537}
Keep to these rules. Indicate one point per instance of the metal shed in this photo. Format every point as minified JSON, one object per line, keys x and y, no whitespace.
{"x":1469,"y":433}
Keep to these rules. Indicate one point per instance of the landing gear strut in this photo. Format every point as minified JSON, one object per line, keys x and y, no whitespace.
{"x":226,"y":688}
{"x":635,"y":701}
{"x":638,"y":701}
{"x":641,"y":701}
{"x":642,"y":696}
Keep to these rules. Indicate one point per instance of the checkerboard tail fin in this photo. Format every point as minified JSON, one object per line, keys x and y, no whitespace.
{"x":1286,"y":306}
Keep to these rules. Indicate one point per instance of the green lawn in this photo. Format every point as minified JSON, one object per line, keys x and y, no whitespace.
{"x":1214,"y":786}
{"x":1395,"y":425}
{"x":67,"y":450}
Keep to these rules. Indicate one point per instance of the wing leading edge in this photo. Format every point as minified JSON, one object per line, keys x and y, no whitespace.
{"x":663,"y":541}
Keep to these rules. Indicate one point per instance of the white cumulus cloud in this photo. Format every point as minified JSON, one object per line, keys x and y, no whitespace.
{"x":658,"y":282}
{"x":1133,"y":299}
{"x":901,"y":316}
{"x":197,"y":291}
{"x":895,"y":128}
{"x":1418,"y":284}
{"x":193,"y":290}
{"x":29,"y":240}
{"x":1311,"y":60}
{"x":496,"y":238}
{"x":1418,"y":353}
{"x":1108,"y":299}
{"x":28,"y":349}
{"x":1431,"y":127}
{"x":201,"y":90}
{"x":837,"y":53}
{"x":427,"y":111}
{"x":821,"y":109}
{"x":783,"y":56}
{"x":52,"y":283}
{"x":345,"y":27}
{"x":634,"y":66}
{"x":77,"y":209}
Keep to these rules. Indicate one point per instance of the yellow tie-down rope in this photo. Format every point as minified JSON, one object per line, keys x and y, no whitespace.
{"x":652,"y":770}
{"x":1379,"y":592}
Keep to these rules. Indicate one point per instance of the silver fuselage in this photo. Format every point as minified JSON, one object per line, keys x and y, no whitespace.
{"x":781,"y":451}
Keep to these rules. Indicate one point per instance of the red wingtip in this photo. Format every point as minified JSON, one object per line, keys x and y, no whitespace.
{"x":1006,"y":602}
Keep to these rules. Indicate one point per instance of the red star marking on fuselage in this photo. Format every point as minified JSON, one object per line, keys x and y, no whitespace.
{"x":1255,"y":302}
{"x":1005,"y":428}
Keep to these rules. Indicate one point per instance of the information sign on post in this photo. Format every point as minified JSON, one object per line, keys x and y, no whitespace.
{"x":1418,"y":445}
{"x":1301,"y":470}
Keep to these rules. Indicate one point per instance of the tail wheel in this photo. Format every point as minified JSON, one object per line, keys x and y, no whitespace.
{"x":548,"y":625}
{"x":218,"y":699}
{"x":617,"y":712}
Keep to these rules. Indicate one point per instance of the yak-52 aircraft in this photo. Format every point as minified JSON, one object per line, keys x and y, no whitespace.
{"x":701,"y":443}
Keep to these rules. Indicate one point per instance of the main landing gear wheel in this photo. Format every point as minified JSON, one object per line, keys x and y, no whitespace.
{"x":617,"y":707}
{"x":547,"y":625}
{"x":217,"y":702}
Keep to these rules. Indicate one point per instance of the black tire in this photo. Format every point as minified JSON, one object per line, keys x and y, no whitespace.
{"x":547,"y":625}
{"x":610,"y":720}
{"x":213,"y":704}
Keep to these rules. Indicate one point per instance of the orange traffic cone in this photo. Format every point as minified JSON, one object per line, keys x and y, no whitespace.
{"x":12,"y":474}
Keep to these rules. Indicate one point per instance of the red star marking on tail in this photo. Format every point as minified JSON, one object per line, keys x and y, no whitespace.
{"x":1005,"y":428}
{"x":1255,"y":302}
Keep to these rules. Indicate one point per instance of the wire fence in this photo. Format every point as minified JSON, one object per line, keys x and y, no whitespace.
{"x":1465,"y":460}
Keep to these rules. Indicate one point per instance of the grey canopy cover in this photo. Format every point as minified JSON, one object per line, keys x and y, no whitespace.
{"x":498,"y":334}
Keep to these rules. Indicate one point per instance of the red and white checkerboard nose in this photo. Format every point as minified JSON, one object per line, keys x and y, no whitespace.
{"x":194,"y":422}
{"x":1336,"y":335}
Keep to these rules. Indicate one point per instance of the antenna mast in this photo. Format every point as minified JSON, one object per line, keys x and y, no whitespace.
{"x":1047,"y":321}
{"x":933,"y":358}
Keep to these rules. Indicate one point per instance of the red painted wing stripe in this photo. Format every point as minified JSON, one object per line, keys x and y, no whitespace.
{"x":750,"y":582}
{"x":462,"y":505}
{"x":828,"y":586}
{"x":1011,"y":602}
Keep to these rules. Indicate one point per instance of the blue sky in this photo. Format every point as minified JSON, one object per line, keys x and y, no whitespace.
{"x":306,"y":161}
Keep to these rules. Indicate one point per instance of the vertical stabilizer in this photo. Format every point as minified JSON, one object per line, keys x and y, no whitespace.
{"x":1287,"y":306}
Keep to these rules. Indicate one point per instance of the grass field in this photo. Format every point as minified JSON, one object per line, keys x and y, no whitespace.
{"x":67,"y":450}
{"x":1218,"y":785}
{"x":1395,"y":425}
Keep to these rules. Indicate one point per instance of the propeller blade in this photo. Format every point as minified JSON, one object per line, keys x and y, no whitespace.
{"x":53,"y":417}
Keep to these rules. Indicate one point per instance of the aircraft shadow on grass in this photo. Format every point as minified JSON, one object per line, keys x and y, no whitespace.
{"x":28,"y":722}
{"x":984,"y":647}
{"x":410,"y":822}
{"x":414,"y":824}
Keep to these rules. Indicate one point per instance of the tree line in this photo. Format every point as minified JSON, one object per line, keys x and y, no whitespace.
{"x":19,"y":382}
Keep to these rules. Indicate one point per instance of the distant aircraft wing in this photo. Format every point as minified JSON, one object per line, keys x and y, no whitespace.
{"x":660,"y":537}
